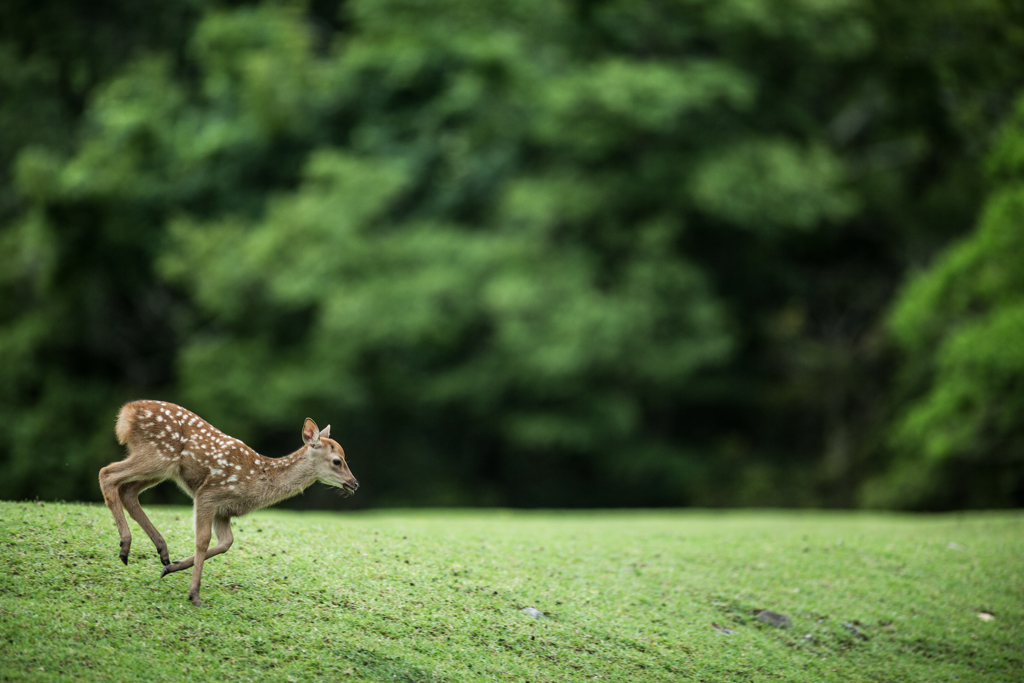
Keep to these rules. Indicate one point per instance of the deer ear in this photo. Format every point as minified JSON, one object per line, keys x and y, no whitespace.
{"x":310,"y":433}
{"x":325,"y":433}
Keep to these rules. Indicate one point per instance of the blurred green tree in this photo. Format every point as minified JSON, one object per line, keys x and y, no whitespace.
{"x":961,"y":324}
{"x":82,"y":316}
{"x":530,"y":253}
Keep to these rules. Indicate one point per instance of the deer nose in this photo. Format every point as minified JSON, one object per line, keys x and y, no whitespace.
{"x":353,"y":484}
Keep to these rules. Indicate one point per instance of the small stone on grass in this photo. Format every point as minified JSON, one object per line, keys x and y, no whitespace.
{"x":773,"y":618}
{"x":532,"y":612}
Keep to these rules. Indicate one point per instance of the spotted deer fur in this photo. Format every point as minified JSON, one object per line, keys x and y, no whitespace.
{"x":224,"y":477}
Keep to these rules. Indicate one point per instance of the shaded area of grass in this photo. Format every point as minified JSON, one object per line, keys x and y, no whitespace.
{"x":437,"y":596}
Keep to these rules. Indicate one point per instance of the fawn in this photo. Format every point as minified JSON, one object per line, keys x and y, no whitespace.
{"x":224,"y":477}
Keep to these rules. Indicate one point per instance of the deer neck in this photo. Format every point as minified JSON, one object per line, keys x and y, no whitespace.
{"x":286,"y":476}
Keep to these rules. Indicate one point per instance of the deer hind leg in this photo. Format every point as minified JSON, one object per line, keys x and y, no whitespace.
{"x":221,"y":527}
{"x":112,"y":478}
{"x":130,"y":498}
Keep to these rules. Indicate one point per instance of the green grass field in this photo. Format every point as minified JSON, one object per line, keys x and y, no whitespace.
{"x":437,"y":596}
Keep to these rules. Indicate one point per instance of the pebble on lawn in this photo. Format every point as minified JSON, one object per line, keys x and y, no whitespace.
{"x":773,"y":618}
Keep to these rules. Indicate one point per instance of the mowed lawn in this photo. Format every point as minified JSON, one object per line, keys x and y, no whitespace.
{"x":438,"y":596}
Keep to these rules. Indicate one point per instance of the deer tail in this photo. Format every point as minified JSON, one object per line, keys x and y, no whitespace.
{"x":125,"y":421}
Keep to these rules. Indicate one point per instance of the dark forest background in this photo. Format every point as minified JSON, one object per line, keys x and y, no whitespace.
{"x":524,"y":252}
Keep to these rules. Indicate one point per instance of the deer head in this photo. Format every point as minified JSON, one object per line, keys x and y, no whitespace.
{"x":328,"y":458}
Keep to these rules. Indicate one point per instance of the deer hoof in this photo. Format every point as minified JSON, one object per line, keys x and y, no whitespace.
{"x":125,"y":547}
{"x":168,"y":568}
{"x":195,"y":600}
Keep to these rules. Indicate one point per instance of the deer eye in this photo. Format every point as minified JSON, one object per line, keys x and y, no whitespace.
{"x":337,"y":462}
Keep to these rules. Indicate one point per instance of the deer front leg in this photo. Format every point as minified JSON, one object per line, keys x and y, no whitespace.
{"x":221,"y":527}
{"x":204,"y":520}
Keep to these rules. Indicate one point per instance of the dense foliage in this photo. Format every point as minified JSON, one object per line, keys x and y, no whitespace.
{"x":518,"y":252}
{"x":961,"y":322}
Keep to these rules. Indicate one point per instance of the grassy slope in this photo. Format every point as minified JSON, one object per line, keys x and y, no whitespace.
{"x":436,"y":596}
